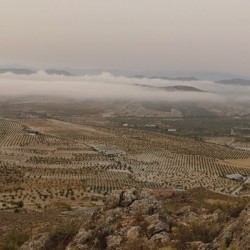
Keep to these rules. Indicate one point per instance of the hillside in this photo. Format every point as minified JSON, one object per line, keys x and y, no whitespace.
{"x":151,"y":219}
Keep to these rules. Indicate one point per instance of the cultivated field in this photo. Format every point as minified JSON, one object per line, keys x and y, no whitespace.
{"x":53,"y":157}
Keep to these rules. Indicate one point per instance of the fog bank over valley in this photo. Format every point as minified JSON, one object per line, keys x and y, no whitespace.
{"x":108,"y":87}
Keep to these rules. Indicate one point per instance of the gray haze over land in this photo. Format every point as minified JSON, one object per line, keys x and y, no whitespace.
{"x":141,"y":35}
{"x":109,"y":87}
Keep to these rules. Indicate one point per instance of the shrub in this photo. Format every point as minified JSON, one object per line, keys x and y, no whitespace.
{"x":61,"y":236}
{"x":235,"y":210}
{"x":197,"y":231}
{"x":19,"y":204}
{"x":101,"y":236}
{"x":230,"y":209}
{"x":13,"y":242}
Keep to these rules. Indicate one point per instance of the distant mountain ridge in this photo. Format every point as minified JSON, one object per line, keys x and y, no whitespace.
{"x":181,"y":88}
{"x":171,"y":88}
{"x":17,"y":71}
{"x":23,"y":71}
{"x":168,"y":78}
{"x":29,"y":71}
{"x":58,"y":72}
{"x":236,"y":81}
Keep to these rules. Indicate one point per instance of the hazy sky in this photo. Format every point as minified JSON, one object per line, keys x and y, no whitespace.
{"x":184,"y":35}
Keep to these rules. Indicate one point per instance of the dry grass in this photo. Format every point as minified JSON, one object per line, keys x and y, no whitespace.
{"x":240,"y":162}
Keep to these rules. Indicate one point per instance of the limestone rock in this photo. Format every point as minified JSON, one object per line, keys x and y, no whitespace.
{"x":120,"y":198}
{"x":197,"y":245}
{"x":147,"y":206}
{"x":36,"y":244}
{"x":157,"y":224}
{"x":128,"y":197}
{"x":83,"y":236}
{"x":236,"y":235}
{"x":159,"y":239}
{"x":113,"y":200}
{"x":113,"y":241}
{"x":133,"y":232}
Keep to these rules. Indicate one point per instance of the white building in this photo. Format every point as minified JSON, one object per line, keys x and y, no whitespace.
{"x":172,"y":130}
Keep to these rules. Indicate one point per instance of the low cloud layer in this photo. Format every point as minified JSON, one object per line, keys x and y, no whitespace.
{"x":107,"y":86}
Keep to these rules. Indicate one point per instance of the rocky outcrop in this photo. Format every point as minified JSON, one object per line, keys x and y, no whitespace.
{"x":129,"y":220}
{"x":121,"y":198}
{"x":236,"y":234}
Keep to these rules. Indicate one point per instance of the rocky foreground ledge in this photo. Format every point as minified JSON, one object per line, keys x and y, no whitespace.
{"x":136,"y":220}
{"x":129,"y":220}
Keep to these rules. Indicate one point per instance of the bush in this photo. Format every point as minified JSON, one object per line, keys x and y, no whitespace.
{"x":19,"y":204}
{"x":235,"y":210}
{"x":13,"y":242}
{"x":198,"y":231}
{"x":61,"y":236}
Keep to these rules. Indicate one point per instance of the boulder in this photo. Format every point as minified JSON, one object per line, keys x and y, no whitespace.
{"x":120,"y":198}
{"x":83,"y":236}
{"x":133,"y":232}
{"x":197,"y":245}
{"x":113,"y":215}
{"x":113,"y":241}
{"x":159,"y":239}
{"x":157,"y":224}
{"x":185,"y":210}
{"x":147,"y":206}
{"x":113,"y":200}
{"x":36,"y":244}
{"x":128,"y":197}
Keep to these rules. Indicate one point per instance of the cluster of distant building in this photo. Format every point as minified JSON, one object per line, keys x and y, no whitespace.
{"x":167,"y":128}
{"x":240,"y":131}
{"x":30,"y":131}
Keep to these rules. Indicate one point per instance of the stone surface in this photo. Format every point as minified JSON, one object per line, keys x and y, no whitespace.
{"x":157,"y":224}
{"x":113,"y":200}
{"x":236,"y":235}
{"x":131,"y":221}
{"x":146,"y":206}
{"x":128,"y":197}
{"x":36,"y":244}
{"x":133,"y":232}
{"x":113,"y":241}
{"x":197,"y":245}
{"x":127,"y":218}
{"x":159,"y":239}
